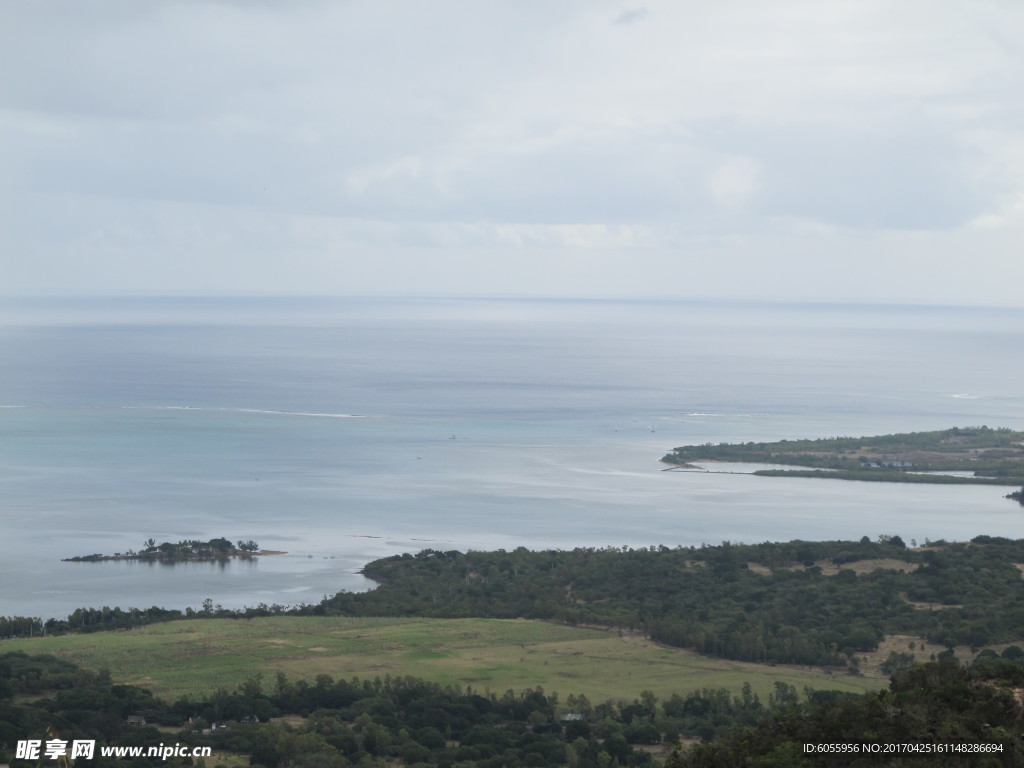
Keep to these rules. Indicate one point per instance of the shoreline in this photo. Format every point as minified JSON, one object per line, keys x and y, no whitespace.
{"x":165,"y":558}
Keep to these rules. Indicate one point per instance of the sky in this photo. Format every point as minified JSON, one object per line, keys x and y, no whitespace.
{"x":849,"y":150}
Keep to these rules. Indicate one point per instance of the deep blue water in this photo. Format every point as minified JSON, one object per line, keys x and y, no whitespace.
{"x":340,"y":430}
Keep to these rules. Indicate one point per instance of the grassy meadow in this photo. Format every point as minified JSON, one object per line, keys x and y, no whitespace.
{"x":196,"y":657}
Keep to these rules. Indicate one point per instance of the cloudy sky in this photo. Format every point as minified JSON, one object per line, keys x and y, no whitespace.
{"x":847,"y":149}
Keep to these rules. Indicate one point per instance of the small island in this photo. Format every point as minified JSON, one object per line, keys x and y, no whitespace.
{"x":185,"y":550}
{"x":961,"y":455}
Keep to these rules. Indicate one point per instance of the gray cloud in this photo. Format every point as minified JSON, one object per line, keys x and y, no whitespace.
{"x":306,"y":143}
{"x":631,"y":16}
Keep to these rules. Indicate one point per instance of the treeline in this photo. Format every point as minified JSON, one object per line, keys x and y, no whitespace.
{"x":105,"y":619}
{"x":408,"y":721}
{"x":765,"y":603}
{"x":954,"y":440}
{"x":982,"y":450}
{"x":186,"y":549}
{"x":886,"y":475}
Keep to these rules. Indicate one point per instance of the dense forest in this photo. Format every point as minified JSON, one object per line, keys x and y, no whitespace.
{"x":937,"y":714}
{"x":407,"y":721}
{"x":992,"y":456}
{"x":799,"y":602}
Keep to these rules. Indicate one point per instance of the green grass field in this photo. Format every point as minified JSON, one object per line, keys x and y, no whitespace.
{"x":198,"y":656}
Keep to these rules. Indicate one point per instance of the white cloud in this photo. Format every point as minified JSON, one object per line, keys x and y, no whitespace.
{"x":735,"y":182}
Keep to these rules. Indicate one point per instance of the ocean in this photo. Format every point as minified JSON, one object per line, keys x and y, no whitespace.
{"x":339,"y":430}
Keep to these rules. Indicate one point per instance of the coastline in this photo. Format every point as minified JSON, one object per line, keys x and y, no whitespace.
{"x":165,"y":558}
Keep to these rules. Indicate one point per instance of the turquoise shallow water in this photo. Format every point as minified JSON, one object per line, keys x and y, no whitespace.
{"x":343,"y":430}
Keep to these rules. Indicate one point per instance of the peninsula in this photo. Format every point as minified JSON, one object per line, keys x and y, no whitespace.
{"x":191,"y":550}
{"x":962,"y":455}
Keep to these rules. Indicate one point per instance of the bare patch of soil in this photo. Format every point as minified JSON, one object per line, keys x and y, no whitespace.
{"x":860,"y":567}
{"x":927,"y":606}
{"x":923,"y":651}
